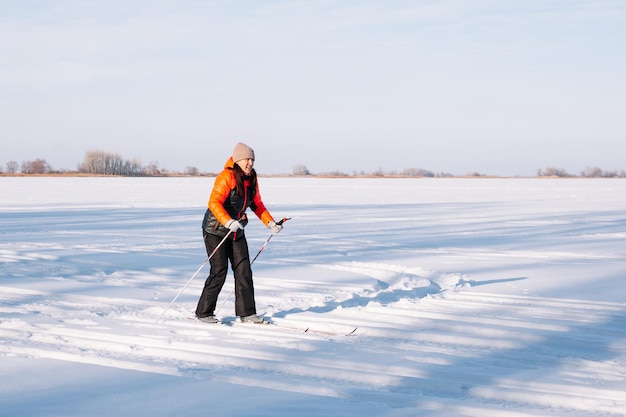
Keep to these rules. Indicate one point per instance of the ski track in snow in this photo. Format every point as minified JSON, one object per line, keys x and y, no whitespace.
{"x":410,"y":355}
{"x":425,"y":339}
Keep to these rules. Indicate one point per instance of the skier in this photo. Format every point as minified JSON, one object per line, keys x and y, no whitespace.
{"x":235,"y":189}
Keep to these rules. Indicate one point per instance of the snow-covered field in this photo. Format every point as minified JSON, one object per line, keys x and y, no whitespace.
{"x":471,"y":297}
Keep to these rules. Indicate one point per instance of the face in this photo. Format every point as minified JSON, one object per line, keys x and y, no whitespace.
{"x":246,"y":165}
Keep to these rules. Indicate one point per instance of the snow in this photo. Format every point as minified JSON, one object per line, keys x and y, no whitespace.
{"x":471,"y":297}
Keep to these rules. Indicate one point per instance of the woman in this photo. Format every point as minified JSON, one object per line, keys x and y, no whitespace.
{"x":235,"y":190}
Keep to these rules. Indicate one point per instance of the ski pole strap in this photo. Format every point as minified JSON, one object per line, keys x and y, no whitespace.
{"x":283,"y":220}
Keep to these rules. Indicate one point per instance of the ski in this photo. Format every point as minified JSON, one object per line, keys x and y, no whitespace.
{"x":316,"y":327}
{"x":309,"y":330}
{"x":301,"y":329}
{"x":348,"y":331}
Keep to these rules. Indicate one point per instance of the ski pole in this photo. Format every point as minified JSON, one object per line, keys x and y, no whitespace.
{"x":194,"y":275}
{"x":283,"y":220}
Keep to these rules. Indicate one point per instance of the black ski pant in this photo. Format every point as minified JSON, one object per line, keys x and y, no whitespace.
{"x":235,"y":252}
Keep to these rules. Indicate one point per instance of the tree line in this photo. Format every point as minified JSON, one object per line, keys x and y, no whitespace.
{"x":97,"y":162}
{"x":589,"y":172}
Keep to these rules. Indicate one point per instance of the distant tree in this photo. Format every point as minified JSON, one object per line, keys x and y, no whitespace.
{"x":592,"y":172}
{"x":379,"y":173}
{"x":553,"y":172}
{"x":610,"y":174}
{"x":301,"y":170}
{"x":191,"y":171}
{"x":102,"y":163}
{"x":133,"y":167}
{"x":417,"y":172}
{"x":595,"y":172}
{"x":12,"y":167}
{"x":92,"y":163}
{"x":107,"y":163}
{"x":38,"y":166}
{"x":333,"y":174}
{"x":152,"y":168}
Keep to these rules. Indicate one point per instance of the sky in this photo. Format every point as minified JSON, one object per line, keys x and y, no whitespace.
{"x":450,"y":86}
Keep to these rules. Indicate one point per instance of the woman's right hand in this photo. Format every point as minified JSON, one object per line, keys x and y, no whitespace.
{"x":233,"y":225}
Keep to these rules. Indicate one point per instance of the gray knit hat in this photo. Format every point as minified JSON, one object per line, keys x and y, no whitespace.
{"x":242,"y":151}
